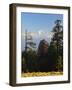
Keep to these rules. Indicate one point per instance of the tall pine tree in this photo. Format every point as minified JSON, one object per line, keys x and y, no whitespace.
{"x":57,"y":41}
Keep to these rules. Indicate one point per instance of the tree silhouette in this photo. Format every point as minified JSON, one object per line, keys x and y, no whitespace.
{"x":58,"y":36}
{"x":57,"y":40}
{"x":29,"y":44}
{"x":28,"y":55}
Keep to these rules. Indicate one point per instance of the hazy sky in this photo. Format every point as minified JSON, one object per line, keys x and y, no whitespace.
{"x":39,"y":26}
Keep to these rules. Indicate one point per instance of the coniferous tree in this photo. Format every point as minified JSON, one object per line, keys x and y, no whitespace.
{"x":58,"y":36}
{"x":29,"y":44}
{"x":57,"y":41}
{"x":28,"y":60}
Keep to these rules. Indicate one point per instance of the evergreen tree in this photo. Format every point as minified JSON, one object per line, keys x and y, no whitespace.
{"x":28,"y":56}
{"x":57,"y":41}
{"x":58,"y":36}
{"x":29,"y":44}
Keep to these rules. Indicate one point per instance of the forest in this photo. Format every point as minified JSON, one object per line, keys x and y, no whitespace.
{"x":48,"y":58}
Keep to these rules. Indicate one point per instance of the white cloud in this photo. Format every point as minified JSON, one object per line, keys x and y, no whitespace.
{"x":39,"y":34}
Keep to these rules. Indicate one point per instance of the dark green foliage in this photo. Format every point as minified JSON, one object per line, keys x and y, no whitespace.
{"x":58,"y":36}
{"x":24,"y":62}
{"x":52,"y":57}
{"x":57,"y":40}
{"x":30,"y":61}
{"x":59,"y":64}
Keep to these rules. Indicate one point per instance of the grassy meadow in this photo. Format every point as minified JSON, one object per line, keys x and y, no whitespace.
{"x":33,"y":74}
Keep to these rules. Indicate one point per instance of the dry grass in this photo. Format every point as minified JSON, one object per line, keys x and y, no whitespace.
{"x":33,"y":74}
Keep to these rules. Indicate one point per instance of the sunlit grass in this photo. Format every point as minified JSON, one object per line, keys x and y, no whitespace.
{"x":33,"y":74}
